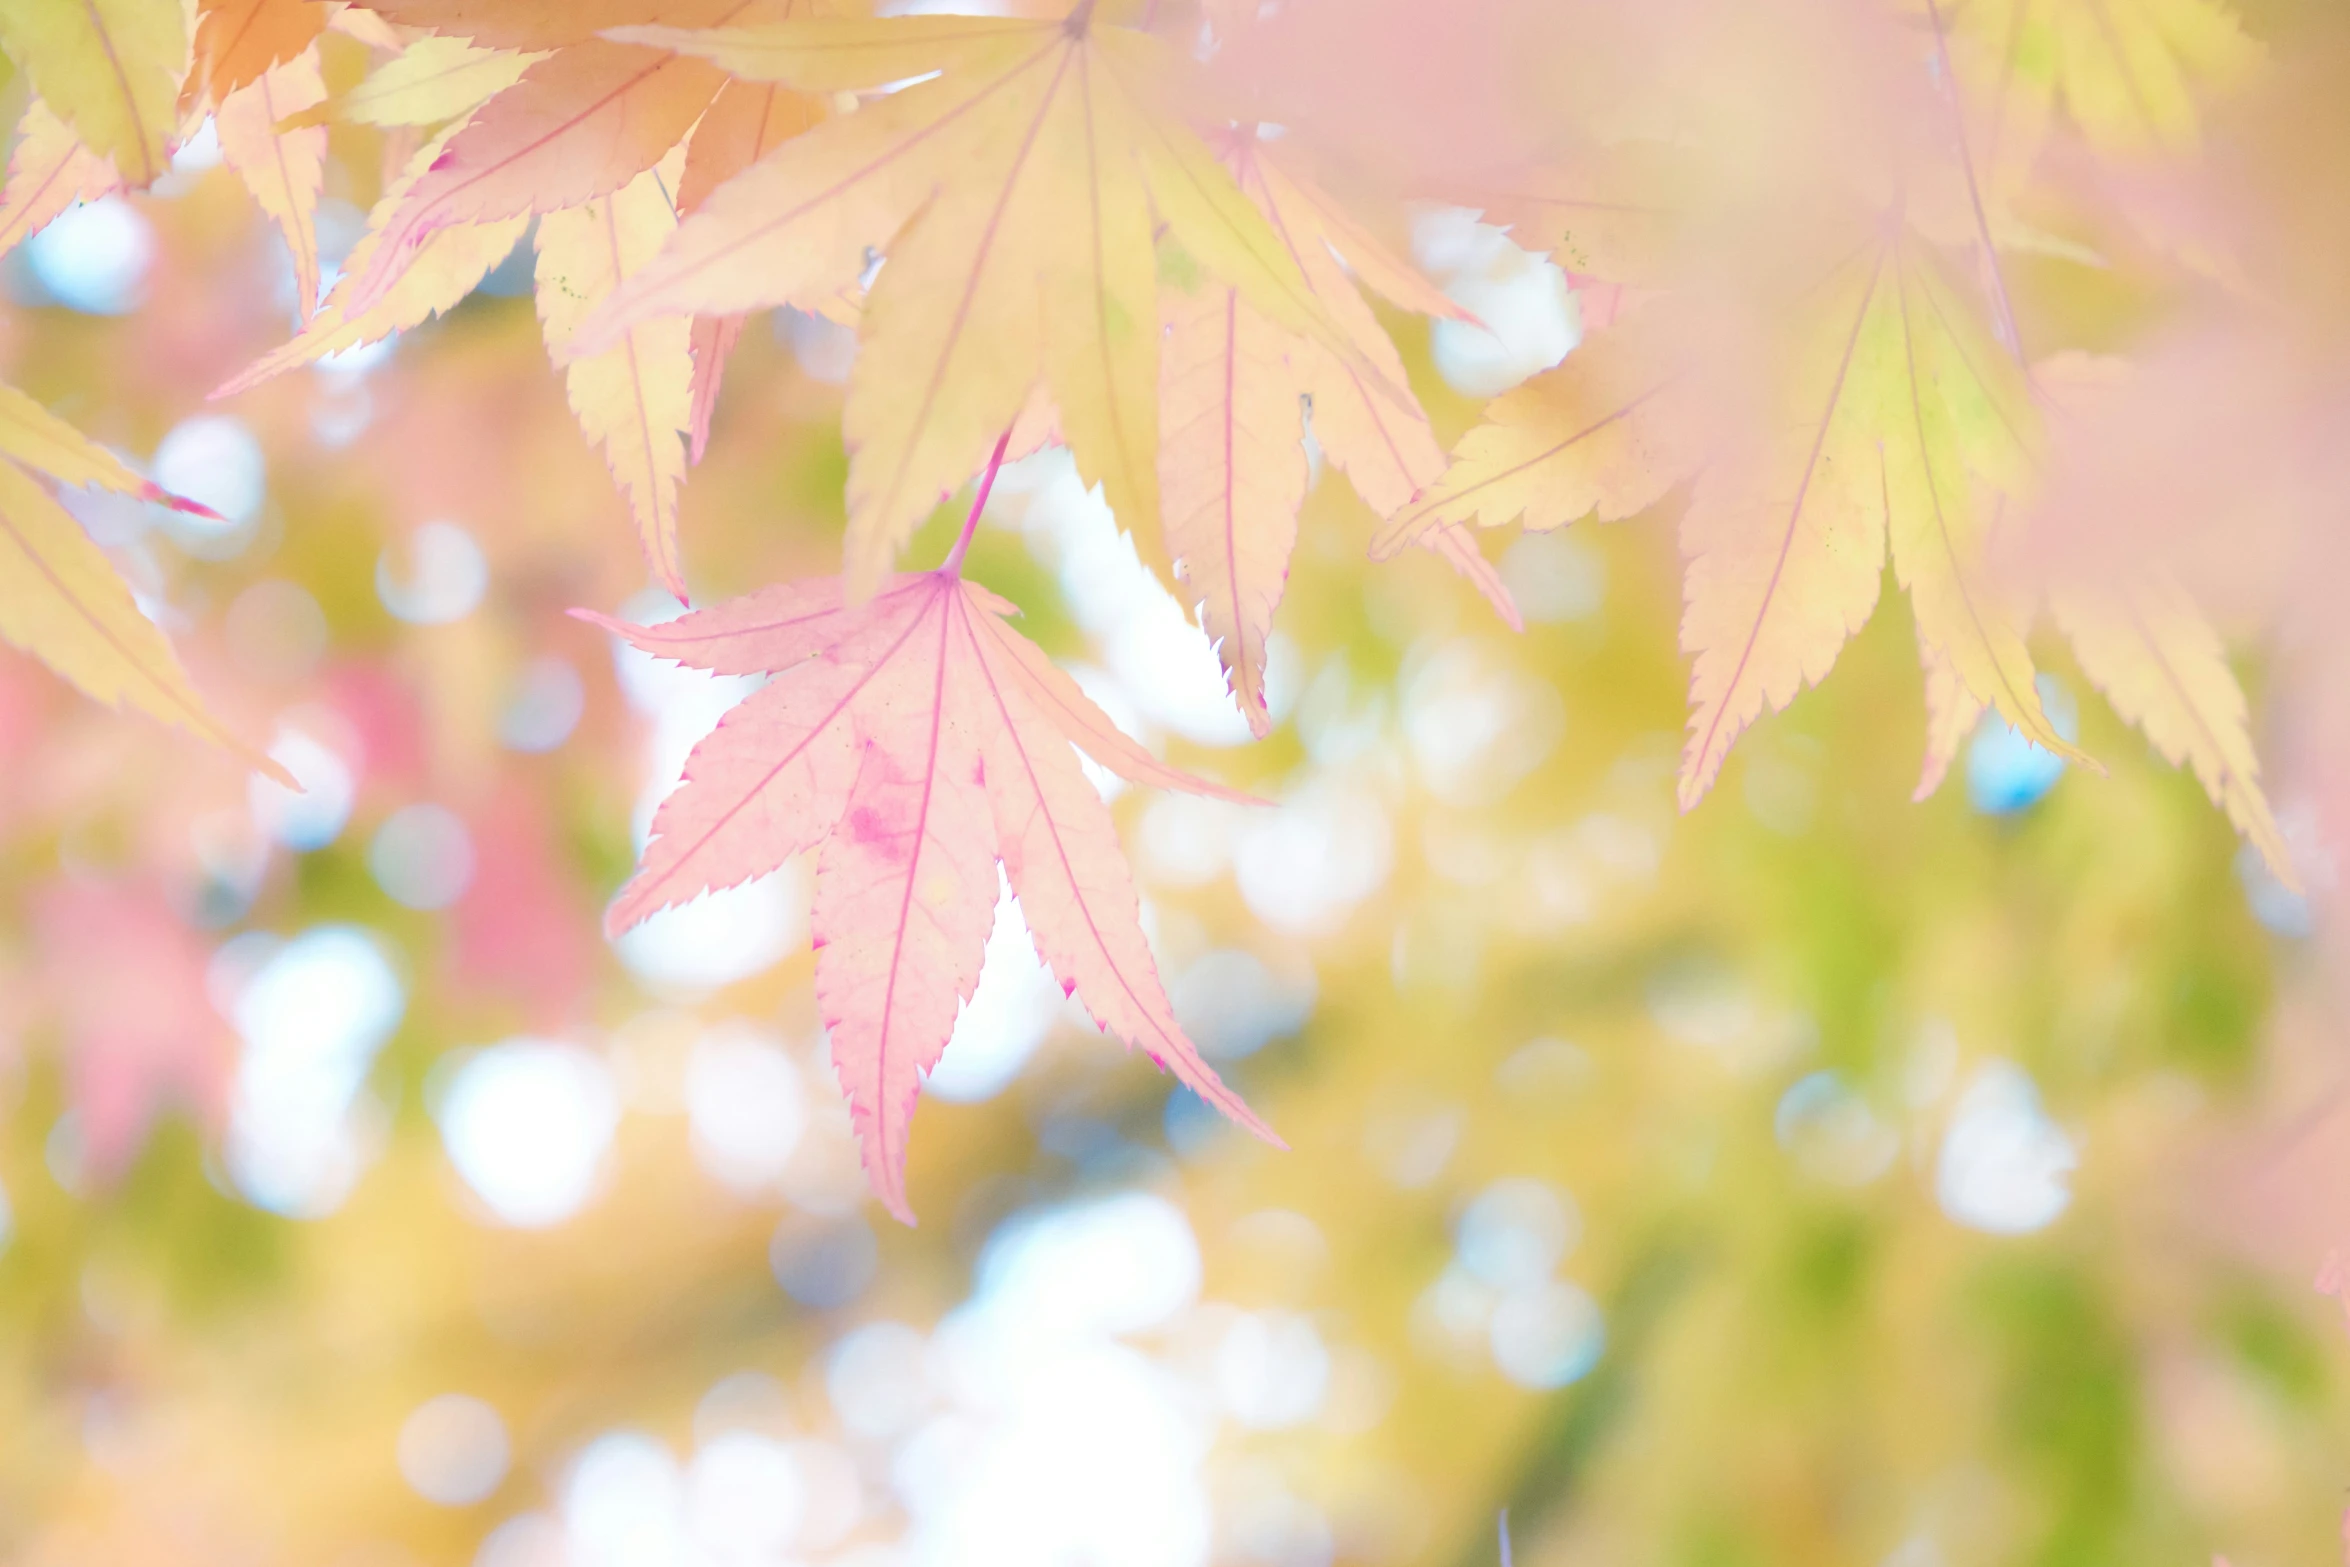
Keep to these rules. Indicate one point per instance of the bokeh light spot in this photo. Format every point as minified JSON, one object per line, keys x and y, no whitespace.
{"x":2003,"y":1163}
{"x":2006,"y":773}
{"x":1546,"y":1335}
{"x":1555,"y":577}
{"x":1272,"y":1370}
{"x":743,"y":1498}
{"x":94,"y":257}
{"x":527,"y":1124}
{"x":745,"y":1107}
{"x":312,"y":1014}
{"x":722,"y":937}
{"x":875,"y":1379}
{"x":1007,"y":1017}
{"x":438,"y":575}
{"x":544,"y":707}
{"x":453,"y":1450}
{"x":1233,"y":1005}
{"x":824,"y":1268}
{"x":1516,"y":1231}
{"x":422,"y":856}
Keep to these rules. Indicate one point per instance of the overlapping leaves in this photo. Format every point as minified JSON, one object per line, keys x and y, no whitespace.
{"x":1047,"y":228}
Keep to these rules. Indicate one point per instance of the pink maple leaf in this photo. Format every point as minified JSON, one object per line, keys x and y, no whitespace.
{"x":913,"y":742}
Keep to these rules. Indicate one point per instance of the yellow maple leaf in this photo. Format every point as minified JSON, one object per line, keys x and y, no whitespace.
{"x":1896,"y":425}
{"x":60,"y":599}
{"x":1233,"y":388}
{"x":442,"y":272}
{"x":1904,"y":423}
{"x":1952,"y":711}
{"x":239,"y":40}
{"x":285,"y":169}
{"x":37,"y":438}
{"x":744,"y":123}
{"x":1232,"y":471}
{"x":48,"y":171}
{"x":634,"y":399}
{"x":2147,"y":646}
{"x":109,"y":68}
{"x":1014,"y":195}
{"x":2130,"y":74}
{"x":1601,"y":435}
{"x":431,"y":80}
{"x":541,"y":24}
{"x":1380,"y":440}
{"x":576,"y":125}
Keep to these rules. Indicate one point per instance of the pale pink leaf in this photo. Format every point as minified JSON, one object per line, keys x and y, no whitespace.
{"x":1060,"y":850}
{"x":912,"y":741}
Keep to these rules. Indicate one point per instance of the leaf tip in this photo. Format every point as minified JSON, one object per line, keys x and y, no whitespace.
{"x":156,"y":493}
{"x":602,"y":622}
{"x":887,"y":1176}
{"x":634,"y":904}
{"x":1694,"y":785}
{"x":2280,"y":865}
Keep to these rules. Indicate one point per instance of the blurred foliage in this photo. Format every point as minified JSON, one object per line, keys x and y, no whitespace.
{"x":1557,"y":978}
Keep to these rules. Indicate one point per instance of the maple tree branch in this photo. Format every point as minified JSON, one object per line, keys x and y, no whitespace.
{"x":953,"y":564}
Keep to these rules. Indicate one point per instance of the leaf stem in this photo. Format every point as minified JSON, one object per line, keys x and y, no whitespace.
{"x":953,"y":564}
{"x":1974,"y":190}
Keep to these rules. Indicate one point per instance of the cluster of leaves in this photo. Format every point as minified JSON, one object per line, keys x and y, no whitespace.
{"x":1066,"y":228}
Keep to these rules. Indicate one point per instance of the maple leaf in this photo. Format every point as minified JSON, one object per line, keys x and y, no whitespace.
{"x":1608,"y":211}
{"x":1909,"y":411}
{"x":1013,"y":194}
{"x":239,"y":41}
{"x":48,"y":171}
{"x":1232,"y":472}
{"x":60,"y":599}
{"x":745,"y":122}
{"x":634,"y":399}
{"x":572,"y":134}
{"x":1901,"y":426}
{"x":2147,"y":646}
{"x":1952,"y":711}
{"x":429,"y":81}
{"x":442,"y":272}
{"x":284,"y":169}
{"x":913,"y":742}
{"x":1602,"y":435}
{"x":1233,"y":385}
{"x":533,"y":24}
{"x":2129,"y":76}
{"x":2139,"y":633}
{"x":578,"y":124}
{"x":109,"y":68}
